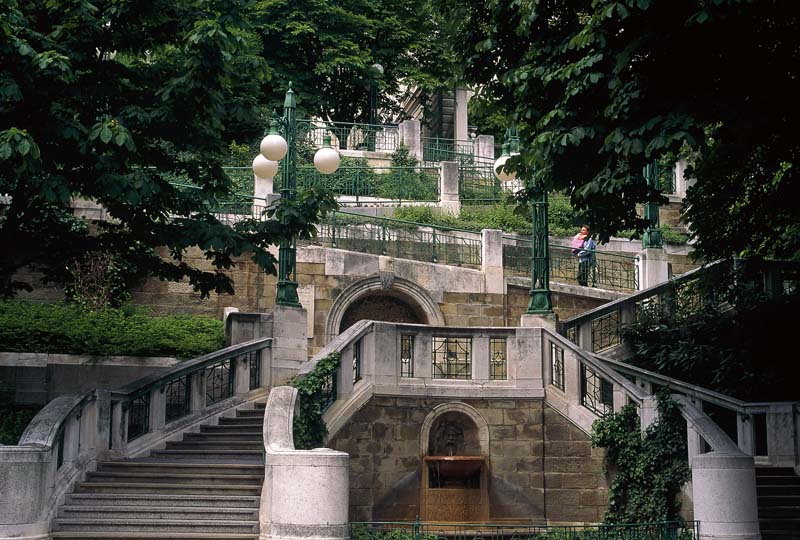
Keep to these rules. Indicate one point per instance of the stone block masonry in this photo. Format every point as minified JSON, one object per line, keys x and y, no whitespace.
{"x":541,"y":466}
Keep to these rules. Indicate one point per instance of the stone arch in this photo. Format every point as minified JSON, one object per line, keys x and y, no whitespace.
{"x":454,"y":407}
{"x":403,"y":289}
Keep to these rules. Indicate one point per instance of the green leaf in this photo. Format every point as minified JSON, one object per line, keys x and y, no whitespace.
{"x":105,"y":134}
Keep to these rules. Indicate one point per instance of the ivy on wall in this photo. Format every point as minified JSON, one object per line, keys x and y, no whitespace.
{"x":313,"y":389}
{"x":651,"y":467}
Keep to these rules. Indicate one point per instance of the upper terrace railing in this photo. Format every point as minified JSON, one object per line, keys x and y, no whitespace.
{"x":400,"y":239}
{"x":350,"y":136}
{"x":72,"y":432}
{"x":435,"y":149}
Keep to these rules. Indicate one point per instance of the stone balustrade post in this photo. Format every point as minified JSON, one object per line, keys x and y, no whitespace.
{"x":197,"y":382}
{"x":648,"y":413}
{"x":119,"y":427}
{"x":460,"y":115}
{"x":745,"y":434}
{"x":411,"y":136}
{"x":654,"y":267}
{"x":492,"y":261}
{"x":449,"y":198}
{"x":584,"y":333}
{"x":72,"y":438}
{"x":158,"y":409}
{"x":289,"y":342}
{"x":241,"y":375}
{"x":484,"y":148}
{"x":480,"y":358}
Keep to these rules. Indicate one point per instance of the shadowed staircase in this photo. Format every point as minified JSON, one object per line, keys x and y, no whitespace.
{"x":778,"y":503}
{"x":205,"y":486}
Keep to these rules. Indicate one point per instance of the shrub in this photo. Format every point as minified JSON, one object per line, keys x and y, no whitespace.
{"x":69,"y":329}
{"x":13,"y":421}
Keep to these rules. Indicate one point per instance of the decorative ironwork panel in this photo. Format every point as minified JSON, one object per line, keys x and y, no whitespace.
{"x":138,"y":416}
{"x":478,"y":184}
{"x":356,"y":186}
{"x":178,"y":398}
{"x":572,"y":334}
{"x":406,"y":355}
{"x":329,"y":391}
{"x":498,"y":359}
{"x":597,"y":394}
{"x":557,"y":366}
{"x":452,"y":358}
{"x":606,"y":331}
{"x":350,"y":136}
{"x":254,"y":365}
{"x":219,"y":382}
{"x":688,"y":297}
{"x":435,"y":150}
{"x":357,"y":361}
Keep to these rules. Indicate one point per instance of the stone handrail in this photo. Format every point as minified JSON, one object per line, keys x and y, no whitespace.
{"x":297,"y":481}
{"x":46,"y":425}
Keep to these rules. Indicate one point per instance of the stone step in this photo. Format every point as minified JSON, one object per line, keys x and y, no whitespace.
{"x":767,"y":512}
{"x":779,"y":535}
{"x":234,"y":428}
{"x":778,"y":480}
{"x":178,"y":467}
{"x":198,"y":455}
{"x":214,"y":445}
{"x":158,"y":499}
{"x":783,"y":524}
{"x":171,"y":535}
{"x":780,"y":471}
{"x":155,"y":525}
{"x":176,"y":478}
{"x":253,"y":436}
{"x":250,"y":413}
{"x":157,"y":512}
{"x":262,"y":405}
{"x":778,"y":500}
{"x":769,"y":490}
{"x":165,"y":489}
{"x":244,"y":421}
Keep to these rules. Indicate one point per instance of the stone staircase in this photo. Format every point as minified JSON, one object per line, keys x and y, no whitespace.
{"x":778,"y":503}
{"x":206,"y":486}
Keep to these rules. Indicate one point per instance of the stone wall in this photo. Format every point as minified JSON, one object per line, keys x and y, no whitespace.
{"x":541,"y":467}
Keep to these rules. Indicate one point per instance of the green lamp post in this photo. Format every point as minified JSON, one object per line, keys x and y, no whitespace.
{"x":540,"y":302}
{"x":652,"y":235}
{"x":274,"y":148}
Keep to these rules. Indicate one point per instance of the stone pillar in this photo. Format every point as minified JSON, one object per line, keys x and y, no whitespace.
{"x":480,"y":358}
{"x":158,"y":409}
{"x":745,"y":439}
{"x":492,"y":261}
{"x":654,"y":268}
{"x":545,"y":320}
{"x":460,"y":116}
{"x":411,"y":136}
{"x":484,"y":148}
{"x":724,"y":493}
{"x":680,"y":178}
{"x":241,"y":375}
{"x":289,"y":342}
{"x":197,"y":390}
{"x":648,"y":413}
{"x":449,"y":200}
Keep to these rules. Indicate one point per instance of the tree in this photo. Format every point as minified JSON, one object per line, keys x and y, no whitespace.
{"x":599,"y":88}
{"x":108,"y":102}
{"x":327,"y":49}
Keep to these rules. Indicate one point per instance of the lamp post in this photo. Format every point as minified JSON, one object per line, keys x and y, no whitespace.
{"x":274,"y":148}
{"x":652,"y":235}
{"x":540,"y":302}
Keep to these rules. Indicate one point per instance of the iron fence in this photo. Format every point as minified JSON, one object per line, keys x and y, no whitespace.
{"x":350,"y":136}
{"x":608,"y":270}
{"x":435,"y":149}
{"x":668,"y":530}
{"x":399,"y":239}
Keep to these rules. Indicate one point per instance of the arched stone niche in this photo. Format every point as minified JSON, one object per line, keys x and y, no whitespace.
{"x":415,"y":297}
{"x":455,"y":426}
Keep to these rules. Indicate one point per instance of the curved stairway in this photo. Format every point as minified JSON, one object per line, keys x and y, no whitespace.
{"x":778,"y":503}
{"x":206,"y":486}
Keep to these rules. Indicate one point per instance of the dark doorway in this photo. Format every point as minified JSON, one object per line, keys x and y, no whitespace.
{"x":381,"y":307}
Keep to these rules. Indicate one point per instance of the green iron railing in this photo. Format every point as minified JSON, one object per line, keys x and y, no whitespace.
{"x":400,"y":239}
{"x":393,"y":184}
{"x":416,"y":530}
{"x":350,"y":136}
{"x":435,"y":149}
{"x":608,"y":270}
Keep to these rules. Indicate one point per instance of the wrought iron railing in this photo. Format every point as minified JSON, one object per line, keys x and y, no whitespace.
{"x":400,"y":239}
{"x":354,"y":184}
{"x":607,"y":270}
{"x":416,"y":530}
{"x":435,"y":149}
{"x":350,"y":136}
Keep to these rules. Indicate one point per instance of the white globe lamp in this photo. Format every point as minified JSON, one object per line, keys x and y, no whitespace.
{"x":326,"y":160}
{"x":273,"y":146}
{"x":264,"y":168}
{"x":499,"y":171}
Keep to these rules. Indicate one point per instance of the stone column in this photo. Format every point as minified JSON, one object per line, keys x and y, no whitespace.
{"x":648,"y":413}
{"x":289,"y":342}
{"x":411,"y":136}
{"x":654,"y":268}
{"x":492,"y":261}
{"x":724,"y":493}
{"x":484,"y":148}
{"x":460,"y":116}
{"x":449,"y":200}
{"x":480,"y":358}
{"x":158,"y":409}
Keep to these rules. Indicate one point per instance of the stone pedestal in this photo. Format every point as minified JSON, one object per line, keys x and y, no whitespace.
{"x":546,"y":320}
{"x":410,"y":136}
{"x":450,"y":202}
{"x":492,"y":261}
{"x":289,"y":342}
{"x":654,"y":268}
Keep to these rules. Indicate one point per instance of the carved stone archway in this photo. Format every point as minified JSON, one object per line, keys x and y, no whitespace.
{"x":457,"y":407}
{"x":403,"y":289}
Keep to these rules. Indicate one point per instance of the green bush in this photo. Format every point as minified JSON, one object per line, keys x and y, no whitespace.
{"x":63,"y":328}
{"x":309,"y":428}
{"x":13,"y":421}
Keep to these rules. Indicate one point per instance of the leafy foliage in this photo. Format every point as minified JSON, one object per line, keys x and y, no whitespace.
{"x":13,"y":421}
{"x":309,"y":428}
{"x":69,"y":329}
{"x":599,"y":89}
{"x":110,"y":102}
{"x":650,"y":468}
